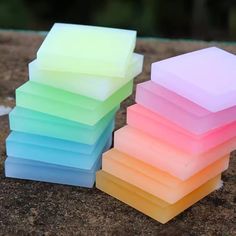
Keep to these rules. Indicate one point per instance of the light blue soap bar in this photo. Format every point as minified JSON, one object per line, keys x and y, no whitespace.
{"x":29,"y":121}
{"x":54,"y":151}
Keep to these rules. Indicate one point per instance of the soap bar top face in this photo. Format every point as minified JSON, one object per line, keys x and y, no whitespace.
{"x":206,"y":77}
{"x":87,"y":49}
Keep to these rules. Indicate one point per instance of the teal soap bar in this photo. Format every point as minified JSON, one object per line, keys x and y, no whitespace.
{"x":33,"y":122}
{"x":54,"y":151}
{"x":87,"y":49}
{"x":94,"y":86}
{"x":68,"y":105}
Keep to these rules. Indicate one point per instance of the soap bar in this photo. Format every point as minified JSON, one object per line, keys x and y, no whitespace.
{"x":187,"y":114}
{"x":158,"y":127}
{"x":146,"y":202}
{"x":87,"y":49}
{"x":205,"y":77}
{"x":97,"y":87}
{"x":33,"y":122}
{"x":163,"y":156}
{"x":54,"y":151}
{"x":68,"y":105}
{"x":35,"y":170}
{"x":156,"y":181}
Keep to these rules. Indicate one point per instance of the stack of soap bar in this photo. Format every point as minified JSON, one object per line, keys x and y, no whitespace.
{"x":178,"y":136}
{"x":64,"y":115}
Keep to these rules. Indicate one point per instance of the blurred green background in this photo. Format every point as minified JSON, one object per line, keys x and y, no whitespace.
{"x":198,"y":19}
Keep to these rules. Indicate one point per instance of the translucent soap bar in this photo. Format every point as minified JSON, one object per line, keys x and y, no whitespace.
{"x":33,"y":122}
{"x":54,"y":151}
{"x":87,"y":49}
{"x":163,"y":156}
{"x":35,"y":170}
{"x":188,"y":115}
{"x":146,"y":202}
{"x":156,"y":181}
{"x":97,"y":87}
{"x":158,"y":127}
{"x":205,"y":77}
{"x":68,"y":105}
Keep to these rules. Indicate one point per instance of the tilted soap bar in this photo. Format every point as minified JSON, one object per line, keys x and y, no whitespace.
{"x":155,"y":181}
{"x":94,"y":86}
{"x":205,"y":77}
{"x":33,"y":122}
{"x":163,"y":156}
{"x":146,"y":202}
{"x":187,"y":114}
{"x":54,"y":151}
{"x":87,"y":49}
{"x":157,"y":126}
{"x":68,"y":105}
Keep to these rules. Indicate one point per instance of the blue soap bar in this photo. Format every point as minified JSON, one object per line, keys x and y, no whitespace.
{"x":56,"y":151}
{"x":35,"y":170}
{"x":29,"y":121}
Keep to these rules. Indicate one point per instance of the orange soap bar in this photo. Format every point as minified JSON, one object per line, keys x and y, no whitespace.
{"x":148,"y":203}
{"x":163,"y":156}
{"x":155,"y":181}
{"x":157,"y":126}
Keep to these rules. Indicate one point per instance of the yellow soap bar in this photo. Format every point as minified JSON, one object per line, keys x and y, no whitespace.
{"x":155,"y":181}
{"x":146,"y":202}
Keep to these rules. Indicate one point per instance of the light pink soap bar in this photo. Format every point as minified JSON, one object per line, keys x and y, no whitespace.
{"x":158,"y":127}
{"x":206,"y":77}
{"x":165,"y":157}
{"x":181,"y":111}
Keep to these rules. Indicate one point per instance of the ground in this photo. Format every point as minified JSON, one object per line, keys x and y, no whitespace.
{"x":34,"y":208}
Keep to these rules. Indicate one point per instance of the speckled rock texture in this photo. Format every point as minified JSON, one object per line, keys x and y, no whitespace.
{"x":34,"y":208}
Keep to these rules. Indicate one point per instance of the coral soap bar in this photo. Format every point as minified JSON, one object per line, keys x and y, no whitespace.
{"x":108,"y":56}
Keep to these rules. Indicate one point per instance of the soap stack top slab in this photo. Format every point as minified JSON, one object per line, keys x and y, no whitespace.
{"x":205,"y":77}
{"x":71,"y":47}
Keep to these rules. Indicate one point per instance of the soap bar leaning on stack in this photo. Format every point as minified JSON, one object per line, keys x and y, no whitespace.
{"x":64,"y":115}
{"x":182,"y":134}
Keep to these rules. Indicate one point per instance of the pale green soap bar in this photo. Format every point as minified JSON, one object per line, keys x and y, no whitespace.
{"x":34,"y":122}
{"x":68,"y":105}
{"x":83,"y":49}
{"x":97,"y":87}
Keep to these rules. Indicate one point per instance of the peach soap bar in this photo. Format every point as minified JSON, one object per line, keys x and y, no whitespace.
{"x":206,"y":77}
{"x":187,"y":114}
{"x":148,"y":203}
{"x":163,"y":156}
{"x":159,"y":127}
{"x":155,"y":181}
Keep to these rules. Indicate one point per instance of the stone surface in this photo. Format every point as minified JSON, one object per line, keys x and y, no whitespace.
{"x":34,"y":208}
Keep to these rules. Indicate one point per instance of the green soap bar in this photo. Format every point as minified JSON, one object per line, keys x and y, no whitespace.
{"x":97,"y":87}
{"x":68,"y":105}
{"x":83,"y":49}
{"x":34,"y":122}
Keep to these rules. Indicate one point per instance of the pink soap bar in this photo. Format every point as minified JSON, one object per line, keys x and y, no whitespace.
{"x":156,"y":181}
{"x":157,"y":126}
{"x":181,"y":111}
{"x":163,"y":156}
{"x":206,"y":77}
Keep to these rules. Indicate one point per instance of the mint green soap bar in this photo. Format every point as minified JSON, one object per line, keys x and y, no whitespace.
{"x":68,"y":105}
{"x":83,"y":49}
{"x":33,"y":122}
{"x":97,"y":87}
